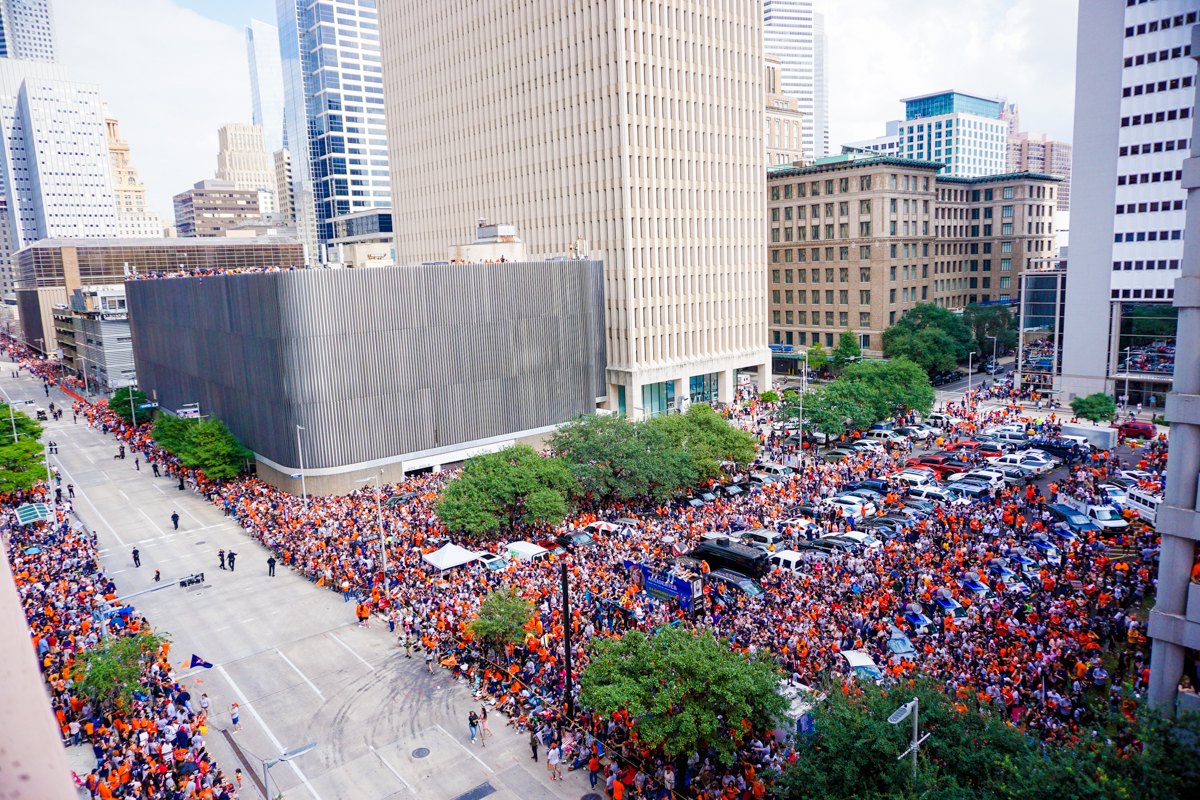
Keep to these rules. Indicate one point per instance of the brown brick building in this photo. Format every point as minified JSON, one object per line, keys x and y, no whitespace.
{"x":856,"y":240}
{"x":211,"y":206}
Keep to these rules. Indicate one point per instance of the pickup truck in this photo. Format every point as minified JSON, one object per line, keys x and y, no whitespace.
{"x":1106,"y":518}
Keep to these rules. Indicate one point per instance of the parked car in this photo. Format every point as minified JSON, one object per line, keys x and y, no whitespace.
{"x":1017,"y":476}
{"x":865,"y":540}
{"x":837,"y":454}
{"x":989,"y":477}
{"x":733,"y":582}
{"x":969,"y":490}
{"x":917,"y":432}
{"x":853,"y":507}
{"x":869,"y":444}
{"x":492,"y":561}
{"x":765,"y":539}
{"x":1136,"y":429}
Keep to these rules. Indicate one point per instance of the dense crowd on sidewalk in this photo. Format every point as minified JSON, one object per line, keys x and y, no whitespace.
{"x":1034,"y":658}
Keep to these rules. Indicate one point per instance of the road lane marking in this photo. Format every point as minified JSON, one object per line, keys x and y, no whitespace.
{"x":84,"y":495}
{"x":147,"y":516}
{"x":279,"y":747}
{"x":464,"y":747}
{"x":389,"y":766}
{"x":338,"y":639}
{"x":301,"y":674}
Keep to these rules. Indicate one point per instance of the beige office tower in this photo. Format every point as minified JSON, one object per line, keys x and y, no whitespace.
{"x":283,"y":186}
{"x":243,"y":159}
{"x":634,"y":127}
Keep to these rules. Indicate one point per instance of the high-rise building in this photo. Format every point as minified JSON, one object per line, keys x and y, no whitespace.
{"x":857,"y":240}
{"x":333,"y":113}
{"x":266,"y":82}
{"x":606,"y":157}
{"x":27,"y":30}
{"x":283,"y":186}
{"x":1134,"y":94}
{"x":212,"y":206}
{"x":8,"y":274}
{"x":795,"y":32}
{"x":56,"y":171}
{"x":1010,"y":114}
{"x":242,"y":160}
{"x":1032,"y":152}
{"x":134,"y":218}
{"x":785,"y":121}
{"x":962,"y":131}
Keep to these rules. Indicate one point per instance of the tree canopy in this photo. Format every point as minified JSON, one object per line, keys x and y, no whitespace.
{"x":984,"y":321}
{"x":110,"y":674}
{"x":498,"y":490}
{"x":1096,"y":407}
{"x":864,"y":394}
{"x":502,"y":617}
{"x":847,"y":350}
{"x":612,"y":457}
{"x":932,"y":349}
{"x":21,"y":461}
{"x":120,"y":405}
{"x":206,"y":445}
{"x":970,"y":754}
{"x":687,"y":690}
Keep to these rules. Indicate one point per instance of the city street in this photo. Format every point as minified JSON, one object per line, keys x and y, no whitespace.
{"x":289,"y":653}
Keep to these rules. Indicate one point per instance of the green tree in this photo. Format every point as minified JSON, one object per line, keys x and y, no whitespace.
{"x":932,"y":349}
{"x":172,"y":433}
{"x":502,"y":617}
{"x":497,"y":490}
{"x":838,"y":407}
{"x":215,"y":450}
{"x":687,"y":690}
{"x":896,"y":386}
{"x":818,"y":358}
{"x":119,"y":405}
{"x":21,"y":461}
{"x":847,"y":350}
{"x":612,"y":457}
{"x":109,"y":674}
{"x":971,"y":755}
{"x":985,"y":321}
{"x":1096,"y":407}
{"x":707,"y":438}
{"x":206,"y":445}
{"x":769,"y":396}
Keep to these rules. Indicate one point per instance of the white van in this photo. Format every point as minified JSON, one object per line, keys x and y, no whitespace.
{"x":862,"y":665}
{"x":1013,"y":437}
{"x":935,"y":493}
{"x":938,"y":420}
{"x":885,"y":436}
{"x":526,"y":551}
{"x":1144,"y":503}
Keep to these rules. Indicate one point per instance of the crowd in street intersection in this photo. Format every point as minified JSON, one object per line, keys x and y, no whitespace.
{"x":1035,"y":659}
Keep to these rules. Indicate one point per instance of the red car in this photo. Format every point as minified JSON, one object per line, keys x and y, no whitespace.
{"x":942,"y":463}
{"x":1137,"y":430}
{"x":957,"y":446}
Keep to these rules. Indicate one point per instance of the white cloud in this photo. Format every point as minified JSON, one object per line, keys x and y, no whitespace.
{"x":171,"y":77}
{"x":883,"y":50}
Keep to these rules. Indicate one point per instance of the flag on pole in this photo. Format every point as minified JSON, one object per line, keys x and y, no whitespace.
{"x":197,"y":661}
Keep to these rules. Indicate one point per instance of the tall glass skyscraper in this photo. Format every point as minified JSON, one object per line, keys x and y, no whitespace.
{"x":27,"y":30}
{"x":796,"y":34}
{"x":266,"y":82}
{"x":333,"y":101}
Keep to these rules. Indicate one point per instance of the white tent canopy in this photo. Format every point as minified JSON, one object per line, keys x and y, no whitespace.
{"x":450,"y":556}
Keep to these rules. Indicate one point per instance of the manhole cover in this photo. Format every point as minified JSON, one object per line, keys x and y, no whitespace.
{"x":421,"y":752}
{"x":200,"y":542}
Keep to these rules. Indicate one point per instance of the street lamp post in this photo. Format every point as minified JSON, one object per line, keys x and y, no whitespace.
{"x":803,"y":390}
{"x":898,"y":716}
{"x":1125,"y":397}
{"x":970,"y":371}
{"x":994,"y":341}
{"x":287,"y":756}
{"x":303,"y":484}
{"x":379,"y":522}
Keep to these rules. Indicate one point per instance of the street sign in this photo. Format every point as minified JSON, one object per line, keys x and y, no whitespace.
{"x":148,"y":405}
{"x":188,"y":413}
{"x":34,"y":512}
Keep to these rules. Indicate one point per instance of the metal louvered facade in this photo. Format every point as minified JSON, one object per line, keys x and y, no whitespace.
{"x":377,"y":365}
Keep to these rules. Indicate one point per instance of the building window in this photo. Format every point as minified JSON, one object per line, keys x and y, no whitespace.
{"x":787,"y":275}
{"x":1008,"y":193}
{"x":774,"y":317}
{"x":775,"y":296}
{"x":774,"y":192}
{"x":774,"y":215}
{"x":1006,"y":265}
{"x":864,"y":184}
{"x":844,"y":319}
{"x":1006,"y":229}
{"x":864,"y":274}
{"x":892,"y":271}
{"x":892,"y":228}
{"x":829,"y":297}
{"x":802,"y":296}
{"x":829,"y":319}
{"x":844,"y":296}
{"x":864,"y":297}
{"x":788,"y":318}
{"x":775,"y":234}
{"x":843,"y":254}
{"x":1005,"y":283}
{"x":802,"y":317}
{"x":891,"y":296}
{"x":844,"y":275}
{"x":787,"y":297}
{"x":775,"y":274}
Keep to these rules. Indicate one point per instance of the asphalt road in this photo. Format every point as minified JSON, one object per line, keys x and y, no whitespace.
{"x":290,"y":654}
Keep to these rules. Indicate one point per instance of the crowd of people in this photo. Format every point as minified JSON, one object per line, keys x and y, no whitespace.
{"x":1036,"y":657}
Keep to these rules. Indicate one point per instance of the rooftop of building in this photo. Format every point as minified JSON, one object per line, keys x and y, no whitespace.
{"x":850,"y":160}
{"x":1007,"y":176}
{"x":199,"y":241}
